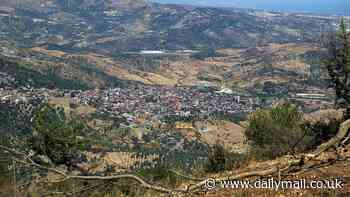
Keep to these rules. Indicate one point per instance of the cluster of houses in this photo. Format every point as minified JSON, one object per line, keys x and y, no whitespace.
{"x":22,"y":96}
{"x":159,"y":101}
{"x":6,"y":80}
{"x":17,"y":108}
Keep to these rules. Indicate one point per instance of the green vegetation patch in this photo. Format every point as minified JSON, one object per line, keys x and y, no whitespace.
{"x":277,"y":131}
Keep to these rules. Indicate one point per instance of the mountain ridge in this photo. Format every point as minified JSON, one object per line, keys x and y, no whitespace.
{"x":103,"y":41}
{"x":120,"y":26}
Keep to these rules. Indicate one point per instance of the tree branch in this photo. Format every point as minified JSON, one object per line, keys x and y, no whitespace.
{"x":333,"y":142}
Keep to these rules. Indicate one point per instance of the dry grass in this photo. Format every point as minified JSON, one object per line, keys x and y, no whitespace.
{"x":229,"y":134}
{"x":122,"y":161}
{"x":187,"y":71}
{"x":52,"y":53}
{"x":64,"y":103}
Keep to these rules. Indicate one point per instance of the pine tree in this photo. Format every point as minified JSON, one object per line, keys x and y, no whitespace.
{"x":338,"y":65}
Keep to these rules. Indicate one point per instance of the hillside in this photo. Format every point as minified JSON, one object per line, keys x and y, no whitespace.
{"x":103,"y":40}
{"x":111,"y":27}
{"x":270,"y":69}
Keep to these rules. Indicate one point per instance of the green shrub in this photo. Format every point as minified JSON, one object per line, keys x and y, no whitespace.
{"x":220,"y":159}
{"x":57,"y":137}
{"x":216,"y":159}
{"x":322,"y":131}
{"x":235,"y":160}
{"x":206,"y":53}
{"x":5,"y":162}
{"x":277,"y":131}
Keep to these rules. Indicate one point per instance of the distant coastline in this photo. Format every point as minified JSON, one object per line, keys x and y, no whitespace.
{"x":323,"y":9}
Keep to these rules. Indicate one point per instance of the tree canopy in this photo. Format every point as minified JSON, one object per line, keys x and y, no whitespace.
{"x":338,"y":65}
{"x":56,"y":136}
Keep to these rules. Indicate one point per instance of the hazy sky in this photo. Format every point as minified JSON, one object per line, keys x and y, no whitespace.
{"x":318,"y":6}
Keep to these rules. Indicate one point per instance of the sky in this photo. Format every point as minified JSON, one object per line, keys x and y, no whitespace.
{"x":341,"y":7}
